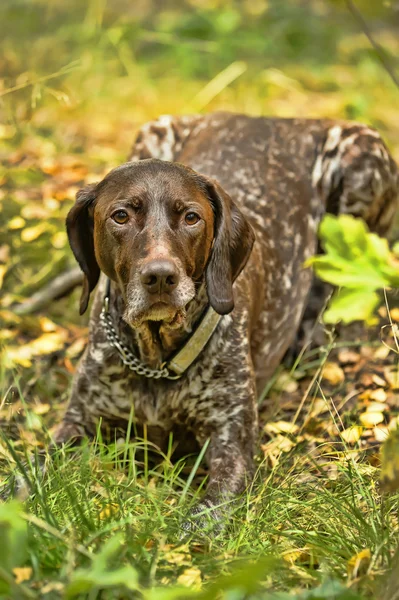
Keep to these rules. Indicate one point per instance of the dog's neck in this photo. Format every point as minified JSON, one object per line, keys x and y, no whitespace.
{"x":153,"y":341}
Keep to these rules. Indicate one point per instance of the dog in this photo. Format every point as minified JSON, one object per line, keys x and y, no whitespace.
{"x":197,"y":248}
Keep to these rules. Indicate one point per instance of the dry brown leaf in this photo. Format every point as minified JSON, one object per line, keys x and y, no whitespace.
{"x":370,"y":419}
{"x":4,"y":253}
{"x":348,"y":357}
{"x":190,"y":578}
{"x":333,"y":373}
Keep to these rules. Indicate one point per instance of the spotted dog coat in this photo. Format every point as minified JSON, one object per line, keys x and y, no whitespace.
{"x":283,"y":174}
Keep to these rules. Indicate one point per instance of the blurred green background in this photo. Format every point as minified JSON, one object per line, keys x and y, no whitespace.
{"x":95,"y":70}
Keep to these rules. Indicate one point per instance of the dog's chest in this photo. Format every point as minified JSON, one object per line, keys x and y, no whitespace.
{"x":116,"y":392}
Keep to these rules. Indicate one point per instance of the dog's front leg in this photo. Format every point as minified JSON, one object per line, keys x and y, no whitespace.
{"x":230,"y":458}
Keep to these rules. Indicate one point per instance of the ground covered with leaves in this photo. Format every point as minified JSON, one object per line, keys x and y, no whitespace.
{"x":77,"y":81}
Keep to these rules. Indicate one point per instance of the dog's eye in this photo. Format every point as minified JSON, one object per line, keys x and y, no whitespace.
{"x":191,"y":218}
{"x":120,"y":217}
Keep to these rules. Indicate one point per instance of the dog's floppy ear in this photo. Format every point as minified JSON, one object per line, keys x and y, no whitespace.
{"x":80,"y":227}
{"x":232,"y":245}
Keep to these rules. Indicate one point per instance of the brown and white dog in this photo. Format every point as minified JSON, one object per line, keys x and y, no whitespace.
{"x":229,"y":226}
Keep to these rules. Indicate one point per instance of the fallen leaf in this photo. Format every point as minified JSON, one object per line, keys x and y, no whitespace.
{"x":3,"y":270}
{"x":333,"y":373}
{"x":4,"y":253}
{"x":46,"y":325}
{"x":190,"y":578}
{"x":34,"y":211}
{"x":378,"y":380}
{"x":108,"y":511}
{"x":391,"y":374}
{"x":281,"y":427}
{"x":32,"y":233}
{"x":286,"y":383}
{"x":359,"y":563}
{"x":381,"y":433}
{"x":59,"y":240}
{"x":394,"y":313}
{"x":378,"y":395}
{"x":352,"y":434}
{"x":390,"y":462}
{"x":377,"y":407}
{"x":22,"y":574}
{"x":381,"y":353}
{"x":347,"y":357}
{"x":370,"y":419}
{"x":16,"y":223}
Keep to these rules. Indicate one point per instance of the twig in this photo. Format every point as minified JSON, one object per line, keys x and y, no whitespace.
{"x":60,"y":286}
{"x":63,"y":71}
{"x":377,"y":47}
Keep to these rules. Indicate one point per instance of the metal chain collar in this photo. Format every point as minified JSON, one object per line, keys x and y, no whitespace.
{"x":127,"y":356}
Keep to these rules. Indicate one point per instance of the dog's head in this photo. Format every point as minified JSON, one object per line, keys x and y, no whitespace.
{"x":157,"y":228}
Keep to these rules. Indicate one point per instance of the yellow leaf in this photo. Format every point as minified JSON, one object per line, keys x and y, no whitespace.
{"x":16,"y":223}
{"x":376,"y":407}
{"x":381,"y":353}
{"x":32,"y":233}
{"x":390,"y":463}
{"x":281,"y":427}
{"x":359,"y":563}
{"x":394,"y":312}
{"x":47,"y":325}
{"x":370,"y":419}
{"x":378,"y":395}
{"x":22,"y":574}
{"x":76,"y":348}
{"x":378,"y":380}
{"x":352,"y":434}
{"x":59,"y":240}
{"x":34,"y":211}
{"x":381,"y":433}
{"x":45,"y":344}
{"x":333,"y":373}
{"x":108,"y":511}
{"x":190,"y":578}
{"x":3,"y":270}
{"x":286,"y":383}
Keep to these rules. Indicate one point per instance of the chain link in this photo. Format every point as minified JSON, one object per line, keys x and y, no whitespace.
{"x":128,"y":358}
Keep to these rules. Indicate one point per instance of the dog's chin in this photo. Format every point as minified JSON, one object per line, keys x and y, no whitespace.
{"x":166,"y":315}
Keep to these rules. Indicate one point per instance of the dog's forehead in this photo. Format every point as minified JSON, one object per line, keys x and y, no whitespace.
{"x":152,"y":179}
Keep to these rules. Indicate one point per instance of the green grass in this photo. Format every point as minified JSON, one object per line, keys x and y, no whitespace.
{"x":299,"y":526}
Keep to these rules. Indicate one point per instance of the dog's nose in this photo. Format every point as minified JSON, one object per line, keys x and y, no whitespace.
{"x":159,"y":276}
